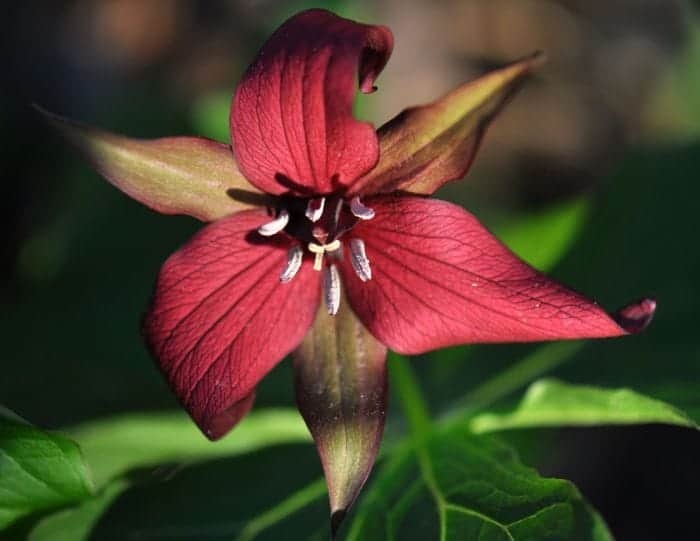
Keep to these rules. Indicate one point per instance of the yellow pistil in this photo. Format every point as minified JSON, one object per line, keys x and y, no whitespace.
{"x":320,"y":249}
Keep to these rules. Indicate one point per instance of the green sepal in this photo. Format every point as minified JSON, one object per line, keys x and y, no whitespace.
{"x":341,"y":391}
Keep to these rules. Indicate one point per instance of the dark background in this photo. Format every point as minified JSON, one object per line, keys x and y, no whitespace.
{"x":614,"y":115}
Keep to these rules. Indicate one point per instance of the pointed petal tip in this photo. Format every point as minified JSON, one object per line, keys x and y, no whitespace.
{"x":457,"y":298}
{"x":535,"y":59}
{"x":380,"y":43}
{"x":217,"y":324}
{"x":39,"y":109}
{"x":636,"y":317}
{"x":426,"y":146}
{"x":341,"y":392}
{"x":61,"y":124}
{"x":187,"y":175}
{"x":337,"y":518}
{"x":218,"y":426}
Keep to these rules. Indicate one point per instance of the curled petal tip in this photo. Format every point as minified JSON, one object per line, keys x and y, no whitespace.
{"x":380,"y":42}
{"x":427,"y":146}
{"x":537,"y":58}
{"x":366,"y":87}
{"x":218,"y":426}
{"x":457,"y":297}
{"x":291,"y":115}
{"x":636,"y":317}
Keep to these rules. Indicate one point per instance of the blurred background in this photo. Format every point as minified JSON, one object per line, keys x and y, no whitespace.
{"x":611,"y":124}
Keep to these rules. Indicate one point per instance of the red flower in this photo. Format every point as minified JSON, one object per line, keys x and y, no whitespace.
{"x":347,"y":228}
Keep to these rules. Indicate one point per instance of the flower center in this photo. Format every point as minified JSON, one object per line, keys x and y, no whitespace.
{"x":318,"y":224}
{"x":319,"y":249}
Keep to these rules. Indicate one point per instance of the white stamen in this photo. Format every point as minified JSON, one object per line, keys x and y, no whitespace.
{"x":331,"y":289}
{"x":294,"y":259}
{"x":359,"y":260}
{"x":319,"y":249}
{"x":314,"y":209}
{"x":359,"y":210}
{"x":338,"y":210}
{"x":275,"y":226}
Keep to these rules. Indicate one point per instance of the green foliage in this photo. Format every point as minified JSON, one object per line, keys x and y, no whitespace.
{"x":41,"y":471}
{"x":640,"y":241}
{"x":210,"y":115}
{"x":451,"y":484}
{"x":76,"y":523}
{"x":676,"y":105}
{"x":231,"y":498}
{"x":549,"y":402}
{"x":117,"y":445}
{"x":542,"y":238}
{"x":38,"y":470}
{"x":544,"y":359}
{"x":471,"y":482}
{"x":464,"y":486}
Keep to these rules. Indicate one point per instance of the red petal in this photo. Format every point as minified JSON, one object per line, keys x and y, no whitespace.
{"x":221,"y":423}
{"x":221,"y":319}
{"x":439,"y":278}
{"x":291,"y":119}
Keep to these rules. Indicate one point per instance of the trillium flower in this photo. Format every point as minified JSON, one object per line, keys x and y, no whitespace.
{"x":323,"y":243}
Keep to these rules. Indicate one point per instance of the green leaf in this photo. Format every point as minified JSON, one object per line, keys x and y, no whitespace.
{"x":625,"y":253}
{"x":515,"y":376}
{"x":117,"y":445}
{"x":464,"y":486}
{"x":550,"y":402}
{"x":283,"y":510}
{"x":237,"y":498}
{"x":448,"y":483}
{"x":76,"y":523}
{"x":542,"y":238}
{"x":38,"y":470}
{"x":210,"y":115}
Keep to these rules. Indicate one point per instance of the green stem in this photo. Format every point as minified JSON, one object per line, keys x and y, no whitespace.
{"x":417,"y":413}
{"x":416,"y":410}
{"x":542,"y":360}
{"x":414,"y":405}
{"x":285,"y":508}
